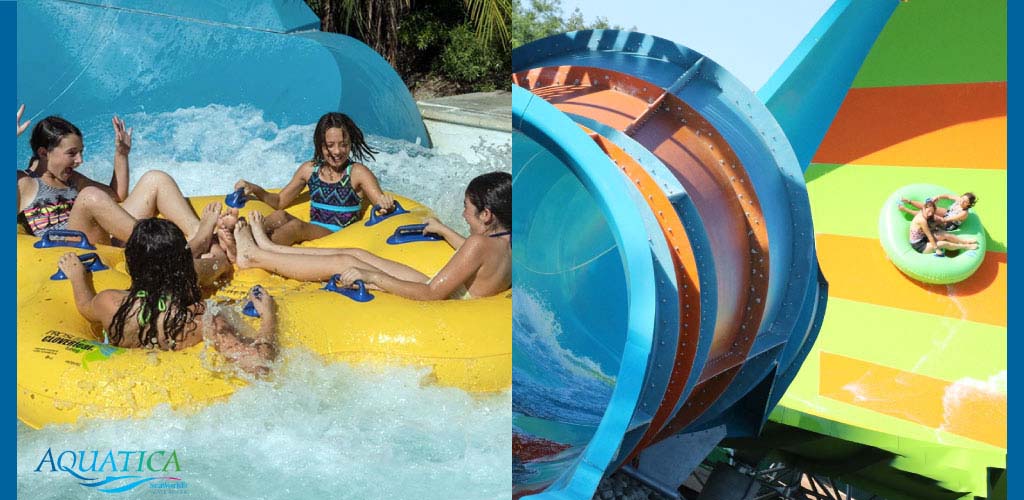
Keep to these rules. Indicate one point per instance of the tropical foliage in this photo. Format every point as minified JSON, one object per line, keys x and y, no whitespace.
{"x":465,"y":45}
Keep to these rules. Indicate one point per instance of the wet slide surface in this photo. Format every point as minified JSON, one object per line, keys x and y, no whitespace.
{"x":918,"y":370}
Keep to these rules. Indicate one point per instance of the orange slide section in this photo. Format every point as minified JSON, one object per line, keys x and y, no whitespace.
{"x":955,"y":125}
{"x":857,"y":269}
{"x":968,"y":408}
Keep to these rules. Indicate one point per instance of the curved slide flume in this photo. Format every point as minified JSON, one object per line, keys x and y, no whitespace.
{"x":89,"y":59}
{"x":622,"y":342}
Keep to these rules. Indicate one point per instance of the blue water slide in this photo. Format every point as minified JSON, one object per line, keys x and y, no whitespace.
{"x":89,"y":59}
{"x":730,"y":161}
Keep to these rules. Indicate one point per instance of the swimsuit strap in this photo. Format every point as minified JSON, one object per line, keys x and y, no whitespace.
{"x":495,"y":235}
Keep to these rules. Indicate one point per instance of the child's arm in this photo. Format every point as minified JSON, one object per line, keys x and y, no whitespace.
{"x":927,"y":231}
{"x":89,"y":304}
{"x":122,"y":146}
{"x":462,"y":266}
{"x":437,"y":227}
{"x":22,"y":127}
{"x":287,"y":195}
{"x":118,"y":186}
{"x":365,"y":183}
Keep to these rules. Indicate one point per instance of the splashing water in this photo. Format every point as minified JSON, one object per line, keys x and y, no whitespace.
{"x":316,"y":430}
{"x":206,"y":150}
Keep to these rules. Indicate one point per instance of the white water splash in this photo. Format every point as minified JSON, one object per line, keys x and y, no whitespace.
{"x":316,"y":430}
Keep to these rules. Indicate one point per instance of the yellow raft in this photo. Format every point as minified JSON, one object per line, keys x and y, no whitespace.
{"x":65,"y":373}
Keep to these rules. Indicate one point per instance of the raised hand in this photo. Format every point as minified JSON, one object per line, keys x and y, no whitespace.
{"x":122,"y":137}
{"x":22,"y":126}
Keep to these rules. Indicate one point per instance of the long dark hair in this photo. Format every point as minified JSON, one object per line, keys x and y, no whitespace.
{"x":493,"y":191}
{"x":360,"y":150}
{"x":48,"y":133}
{"x":163,"y":280}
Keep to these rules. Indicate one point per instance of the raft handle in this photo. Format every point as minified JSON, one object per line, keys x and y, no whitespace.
{"x":65,"y":238}
{"x":374,"y":218}
{"x":358,"y":295}
{"x":90,"y":260}
{"x":411,"y":233}
{"x":250,"y":308}
{"x":236,"y":199}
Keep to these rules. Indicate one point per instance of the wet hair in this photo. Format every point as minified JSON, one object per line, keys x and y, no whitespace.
{"x":160,"y":264}
{"x":934,"y":219}
{"x":360,"y":150}
{"x":971,"y":198}
{"x":493,"y":191}
{"x":48,"y":133}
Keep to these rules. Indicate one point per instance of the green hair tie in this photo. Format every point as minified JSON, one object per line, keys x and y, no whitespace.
{"x":144,"y":313}
{"x":161,"y":304}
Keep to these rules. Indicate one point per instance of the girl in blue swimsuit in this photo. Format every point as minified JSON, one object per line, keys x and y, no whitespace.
{"x":480,"y":267}
{"x":337,"y":185}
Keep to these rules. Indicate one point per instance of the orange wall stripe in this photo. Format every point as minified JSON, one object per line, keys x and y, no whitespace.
{"x":857,"y":269}
{"x":956,"y":125}
{"x":972,"y":410}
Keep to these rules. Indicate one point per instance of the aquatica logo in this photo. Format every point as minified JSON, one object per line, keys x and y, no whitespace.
{"x":123,"y":470}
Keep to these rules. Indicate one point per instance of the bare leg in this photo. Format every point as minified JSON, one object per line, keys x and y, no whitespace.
{"x":297,"y":231}
{"x":212,"y":266}
{"x":203,"y":239}
{"x":157,"y":193}
{"x":97,"y":215}
{"x":226,"y":238}
{"x":257,"y":221}
{"x":311,"y":267}
{"x":944,"y":236}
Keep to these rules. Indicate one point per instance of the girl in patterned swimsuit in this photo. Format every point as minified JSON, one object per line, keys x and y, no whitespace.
{"x":52,"y":194}
{"x":481,"y":266}
{"x":951,"y":217}
{"x":925,"y":240}
{"x":337,"y":185}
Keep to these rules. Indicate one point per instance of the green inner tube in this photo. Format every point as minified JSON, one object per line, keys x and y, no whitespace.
{"x":894,"y":234}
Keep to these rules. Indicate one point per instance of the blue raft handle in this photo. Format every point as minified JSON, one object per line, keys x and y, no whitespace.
{"x":236,"y":199}
{"x":374,"y":218}
{"x":250,"y":308}
{"x":358,"y":295}
{"x":65,"y":238}
{"x":412,"y":233}
{"x":91,"y":261}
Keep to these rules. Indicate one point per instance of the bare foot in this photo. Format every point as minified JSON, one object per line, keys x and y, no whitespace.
{"x":228,"y":219}
{"x":200,"y":242}
{"x":259,"y":232}
{"x":227,"y":243}
{"x":245,"y":244}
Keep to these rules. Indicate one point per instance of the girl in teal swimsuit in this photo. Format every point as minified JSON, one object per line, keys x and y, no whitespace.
{"x":337,"y":185}
{"x":481,"y":266}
